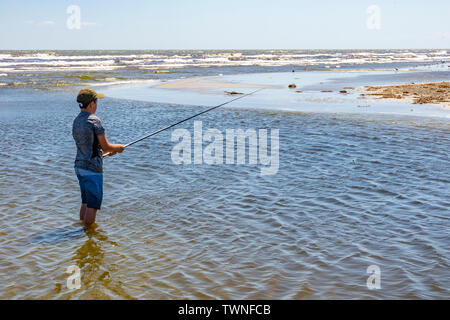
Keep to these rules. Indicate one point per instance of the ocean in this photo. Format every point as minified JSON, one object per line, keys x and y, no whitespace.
{"x":60,"y":68}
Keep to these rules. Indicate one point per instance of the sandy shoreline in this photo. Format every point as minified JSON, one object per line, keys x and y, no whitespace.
{"x":436,"y":93}
{"x":206,"y":83}
{"x":340,"y":92}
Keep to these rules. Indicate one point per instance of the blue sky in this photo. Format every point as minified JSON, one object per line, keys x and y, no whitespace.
{"x":230,"y":24}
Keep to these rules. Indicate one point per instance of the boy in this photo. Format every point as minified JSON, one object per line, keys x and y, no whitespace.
{"x":91,"y":141}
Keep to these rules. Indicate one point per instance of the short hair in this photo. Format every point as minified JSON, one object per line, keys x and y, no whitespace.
{"x":84,"y":105}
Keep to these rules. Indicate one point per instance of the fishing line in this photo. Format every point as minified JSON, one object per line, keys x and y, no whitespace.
{"x":173,"y":125}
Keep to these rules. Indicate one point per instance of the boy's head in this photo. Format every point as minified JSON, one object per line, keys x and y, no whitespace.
{"x":87,"y":97}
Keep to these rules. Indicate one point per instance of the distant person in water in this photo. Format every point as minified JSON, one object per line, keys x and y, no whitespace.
{"x":90,"y":138}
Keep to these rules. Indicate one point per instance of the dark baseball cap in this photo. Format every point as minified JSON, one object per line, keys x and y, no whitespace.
{"x":85,"y":96}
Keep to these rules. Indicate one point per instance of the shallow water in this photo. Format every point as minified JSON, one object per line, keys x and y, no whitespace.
{"x":351,"y":191}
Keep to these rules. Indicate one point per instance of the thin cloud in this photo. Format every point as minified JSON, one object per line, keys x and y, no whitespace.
{"x":29,"y":22}
{"x":437,"y":36}
{"x":47,"y":23}
{"x":90,"y":24}
{"x":443,"y":35}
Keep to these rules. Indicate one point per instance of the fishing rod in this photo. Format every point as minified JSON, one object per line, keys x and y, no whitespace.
{"x":173,"y":125}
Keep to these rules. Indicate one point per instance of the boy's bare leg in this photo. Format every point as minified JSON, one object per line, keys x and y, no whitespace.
{"x":89,"y":217}
{"x":83,"y":211}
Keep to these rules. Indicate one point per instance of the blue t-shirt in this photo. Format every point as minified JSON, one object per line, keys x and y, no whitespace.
{"x":85,"y":129}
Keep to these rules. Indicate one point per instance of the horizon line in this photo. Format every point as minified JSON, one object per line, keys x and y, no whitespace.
{"x":232,"y":49}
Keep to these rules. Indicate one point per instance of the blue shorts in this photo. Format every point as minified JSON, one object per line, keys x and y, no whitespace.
{"x":91,"y":187}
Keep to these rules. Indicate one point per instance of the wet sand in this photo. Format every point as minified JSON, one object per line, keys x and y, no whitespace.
{"x":323,"y":92}
{"x":209,"y":84}
{"x":421,"y":93}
